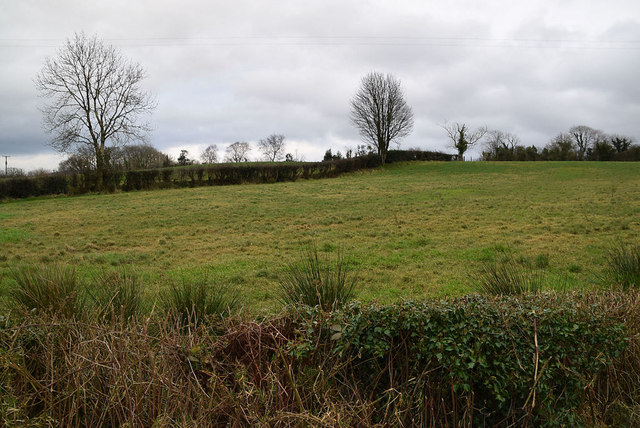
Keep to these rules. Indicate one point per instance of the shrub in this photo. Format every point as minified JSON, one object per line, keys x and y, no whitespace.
{"x":537,"y":360}
{"x":191,"y":302}
{"x":117,"y":294}
{"x":623,"y":266}
{"x":316,"y":281}
{"x":484,"y":361}
{"x":508,"y":277}
{"x":52,"y":289}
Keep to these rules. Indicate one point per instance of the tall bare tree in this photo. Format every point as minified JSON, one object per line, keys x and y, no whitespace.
{"x":380,"y":112}
{"x":585,"y":138}
{"x":461,"y":137}
{"x":210,"y":154}
{"x":272,"y":147}
{"x":93,"y":97}
{"x":237,"y":152}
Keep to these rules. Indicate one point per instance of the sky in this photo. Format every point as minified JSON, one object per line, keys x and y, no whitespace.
{"x":224,"y":71}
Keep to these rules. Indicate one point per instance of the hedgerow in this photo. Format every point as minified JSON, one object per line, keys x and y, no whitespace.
{"x":199,"y":175}
{"x":544,"y":360}
{"x":526,"y":360}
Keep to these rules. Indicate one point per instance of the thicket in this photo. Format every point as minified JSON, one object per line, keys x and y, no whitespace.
{"x":198,"y":175}
{"x":535,"y":360}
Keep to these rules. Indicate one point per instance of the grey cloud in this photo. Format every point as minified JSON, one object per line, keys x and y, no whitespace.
{"x":223,"y":72}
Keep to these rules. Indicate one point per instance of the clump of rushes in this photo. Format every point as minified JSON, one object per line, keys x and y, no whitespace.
{"x":508,"y":278}
{"x":194,"y":301}
{"x":318,"y":281}
{"x":49,"y":289}
{"x":623,"y":266}
{"x":117,"y":294}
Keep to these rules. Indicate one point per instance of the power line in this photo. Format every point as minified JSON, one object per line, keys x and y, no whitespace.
{"x":393,"y":41}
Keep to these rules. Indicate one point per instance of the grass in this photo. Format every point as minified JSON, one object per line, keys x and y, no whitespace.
{"x":116,"y":294}
{"x":54,"y":290}
{"x":413,"y":230}
{"x":623,"y":267}
{"x":193,"y":301}
{"x":507,"y":278}
{"x":314,"y":280}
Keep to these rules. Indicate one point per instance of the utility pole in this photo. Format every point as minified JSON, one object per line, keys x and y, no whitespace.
{"x":5,"y":164}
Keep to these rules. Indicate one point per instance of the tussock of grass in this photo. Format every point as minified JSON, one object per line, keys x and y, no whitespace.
{"x":193,"y":301}
{"x":318,"y":281}
{"x":623,"y":266}
{"x":507,"y":277}
{"x":117,"y":293}
{"x":51,"y":289}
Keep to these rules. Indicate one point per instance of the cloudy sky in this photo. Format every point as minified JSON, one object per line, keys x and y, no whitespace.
{"x":225,"y":71}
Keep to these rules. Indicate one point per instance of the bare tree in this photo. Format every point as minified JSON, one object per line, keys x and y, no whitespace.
{"x":237,"y":152}
{"x":506,"y":140}
{"x":210,"y":154}
{"x":380,"y":112}
{"x":585,"y":138}
{"x":461,"y":137}
{"x":272,"y":147}
{"x":94,"y":98}
{"x":500,"y":140}
{"x":137,"y":156}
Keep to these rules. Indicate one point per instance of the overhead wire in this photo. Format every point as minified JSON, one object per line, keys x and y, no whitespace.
{"x":343,"y":40}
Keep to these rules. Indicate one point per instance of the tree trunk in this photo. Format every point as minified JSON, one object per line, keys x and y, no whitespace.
{"x":99,"y":170}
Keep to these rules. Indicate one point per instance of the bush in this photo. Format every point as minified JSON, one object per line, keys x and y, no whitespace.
{"x":54,"y":290}
{"x":483,"y":361}
{"x":316,"y":281}
{"x":538,"y":360}
{"x":507,"y":278}
{"x":623,"y":266}
{"x":192,"y":302}
{"x":117,"y":294}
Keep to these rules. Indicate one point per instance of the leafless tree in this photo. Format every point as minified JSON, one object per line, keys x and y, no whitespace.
{"x":210,"y":154}
{"x":272,"y":147}
{"x":93,"y":97}
{"x":461,"y":137}
{"x":585,"y":138}
{"x":380,"y":112}
{"x":237,"y":152}
{"x":137,"y":156}
{"x":497,"y":139}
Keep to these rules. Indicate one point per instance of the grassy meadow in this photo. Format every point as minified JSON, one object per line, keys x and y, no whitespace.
{"x":412,"y":230}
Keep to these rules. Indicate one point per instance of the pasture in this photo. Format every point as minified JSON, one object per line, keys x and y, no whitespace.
{"x":411,"y":230}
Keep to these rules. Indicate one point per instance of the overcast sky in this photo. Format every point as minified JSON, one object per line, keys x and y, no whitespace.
{"x":225,"y":71}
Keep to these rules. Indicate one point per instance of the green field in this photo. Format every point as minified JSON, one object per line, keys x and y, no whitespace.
{"x":412,"y":230}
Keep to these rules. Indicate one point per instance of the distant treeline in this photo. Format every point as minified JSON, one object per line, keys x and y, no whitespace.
{"x":532,"y":153}
{"x":199,"y":175}
{"x":581,"y":143}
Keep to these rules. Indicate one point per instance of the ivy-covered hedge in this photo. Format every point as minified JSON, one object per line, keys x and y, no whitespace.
{"x":519,"y":360}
